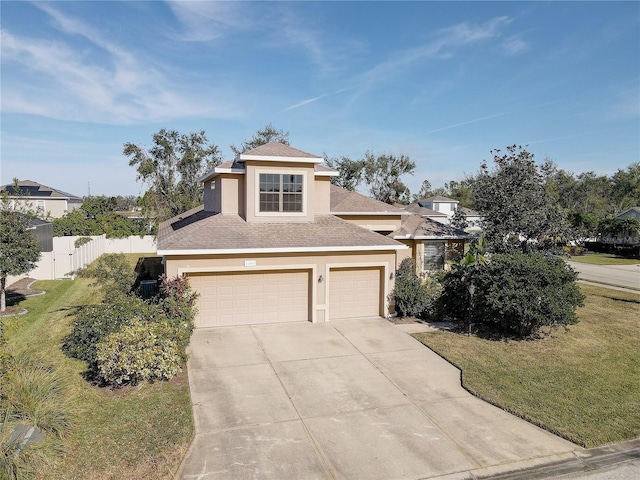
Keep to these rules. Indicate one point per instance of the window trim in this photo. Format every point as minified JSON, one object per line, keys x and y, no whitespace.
{"x":280,"y":173}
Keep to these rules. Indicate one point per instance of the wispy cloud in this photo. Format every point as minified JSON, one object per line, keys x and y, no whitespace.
{"x":514,"y":45}
{"x":206,"y":21}
{"x":475,"y":120}
{"x":314,"y":99}
{"x":444,"y":44}
{"x":56,"y":79}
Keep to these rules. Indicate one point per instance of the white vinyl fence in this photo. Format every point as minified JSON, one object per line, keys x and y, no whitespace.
{"x":66,"y":258}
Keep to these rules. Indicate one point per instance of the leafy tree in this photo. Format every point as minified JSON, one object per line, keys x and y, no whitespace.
{"x":459,"y":219}
{"x":19,"y":247}
{"x":424,"y":192}
{"x":461,"y":191}
{"x":514,"y":202}
{"x":266,"y":135}
{"x":96,"y":206}
{"x":111,"y":272}
{"x":172,"y":169}
{"x":351,"y":171}
{"x":383,"y":174}
{"x":626,"y":187}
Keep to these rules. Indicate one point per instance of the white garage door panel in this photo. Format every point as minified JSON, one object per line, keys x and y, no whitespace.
{"x":354,"y":292}
{"x":251,"y":298}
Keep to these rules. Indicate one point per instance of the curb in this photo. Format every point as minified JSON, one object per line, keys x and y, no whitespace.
{"x":587,"y":460}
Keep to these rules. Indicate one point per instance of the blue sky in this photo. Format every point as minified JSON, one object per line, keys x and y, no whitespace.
{"x":441,"y":82}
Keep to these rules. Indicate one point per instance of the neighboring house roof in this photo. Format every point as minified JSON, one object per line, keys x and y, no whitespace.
{"x":201,"y":232}
{"x":346,"y":202}
{"x":632,"y":212}
{"x":30,"y":188}
{"x":469,"y":212}
{"x":437,"y":198}
{"x":422,"y":211}
{"x":415,"y":226}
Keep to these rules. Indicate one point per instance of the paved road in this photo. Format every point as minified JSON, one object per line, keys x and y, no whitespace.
{"x":624,"y":275}
{"x":355,"y":399}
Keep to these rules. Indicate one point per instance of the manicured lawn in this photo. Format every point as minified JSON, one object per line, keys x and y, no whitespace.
{"x":604,"y":259}
{"x":582,"y":383}
{"x":132,"y":433}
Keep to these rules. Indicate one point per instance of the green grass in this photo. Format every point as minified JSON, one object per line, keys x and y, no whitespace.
{"x":581,"y":383}
{"x":133,"y":433}
{"x":604,"y":259}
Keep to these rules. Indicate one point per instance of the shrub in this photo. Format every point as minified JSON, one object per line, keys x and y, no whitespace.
{"x":412,"y":298}
{"x":178,"y":303}
{"x":516,"y":293}
{"x":81,"y":241}
{"x":138,"y":352}
{"x":112,"y":273}
{"x":94,"y":322}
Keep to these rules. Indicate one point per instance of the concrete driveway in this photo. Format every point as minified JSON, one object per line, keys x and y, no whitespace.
{"x":354,"y":399}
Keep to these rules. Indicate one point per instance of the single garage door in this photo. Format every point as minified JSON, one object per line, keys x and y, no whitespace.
{"x":251,"y":297}
{"x":354,"y":292}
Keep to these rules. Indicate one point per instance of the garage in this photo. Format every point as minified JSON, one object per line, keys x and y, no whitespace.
{"x":245,"y":298}
{"x":354,"y":292}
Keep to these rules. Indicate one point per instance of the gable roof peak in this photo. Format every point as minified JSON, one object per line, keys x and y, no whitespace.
{"x":279,"y":152}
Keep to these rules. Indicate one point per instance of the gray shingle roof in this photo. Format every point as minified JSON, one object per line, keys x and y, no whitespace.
{"x":201,"y":230}
{"x":346,"y":201}
{"x":415,"y":226}
{"x":274,"y":149}
{"x":422,"y":211}
{"x":438,"y":198}
{"x":35,"y":189}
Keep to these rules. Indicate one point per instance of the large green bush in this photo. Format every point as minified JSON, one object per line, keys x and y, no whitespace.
{"x":513,"y":293}
{"x":141,"y":351}
{"x":413,"y":297}
{"x":93,"y":323}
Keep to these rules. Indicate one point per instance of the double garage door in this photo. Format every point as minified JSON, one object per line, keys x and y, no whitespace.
{"x":246,"y":298}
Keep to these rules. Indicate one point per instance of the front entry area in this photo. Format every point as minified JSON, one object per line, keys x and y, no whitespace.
{"x":247,"y":298}
{"x":355,"y":292}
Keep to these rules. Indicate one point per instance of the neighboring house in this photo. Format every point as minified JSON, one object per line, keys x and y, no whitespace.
{"x":632,"y":212}
{"x":276,"y":242}
{"x":441,"y":209}
{"x":625,"y":237}
{"x":44,"y":200}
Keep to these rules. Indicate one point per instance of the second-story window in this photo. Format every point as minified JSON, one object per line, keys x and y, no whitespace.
{"x":280,"y":192}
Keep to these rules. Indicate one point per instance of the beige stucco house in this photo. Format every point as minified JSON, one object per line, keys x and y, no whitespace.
{"x":46,"y":201}
{"x":275,"y":241}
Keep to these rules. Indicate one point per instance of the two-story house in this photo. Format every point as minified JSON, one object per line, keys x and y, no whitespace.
{"x":44,"y":200}
{"x":276,"y":242}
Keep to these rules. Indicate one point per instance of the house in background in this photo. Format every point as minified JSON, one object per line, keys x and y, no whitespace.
{"x":44,"y":200}
{"x":441,"y":209}
{"x":276,"y":242}
{"x":624,"y":232}
{"x":431,"y":242}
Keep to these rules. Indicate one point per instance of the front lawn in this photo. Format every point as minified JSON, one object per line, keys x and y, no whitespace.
{"x":133,"y":433}
{"x":581,"y":383}
{"x":604,"y":259}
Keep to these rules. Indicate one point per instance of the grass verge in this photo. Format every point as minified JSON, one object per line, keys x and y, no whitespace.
{"x":581,"y":383}
{"x":131,"y":433}
{"x":604,"y":259}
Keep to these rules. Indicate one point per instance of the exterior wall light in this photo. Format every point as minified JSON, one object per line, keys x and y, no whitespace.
{"x":320,"y":279}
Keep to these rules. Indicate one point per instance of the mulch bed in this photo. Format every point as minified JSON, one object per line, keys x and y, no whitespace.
{"x":17,"y":292}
